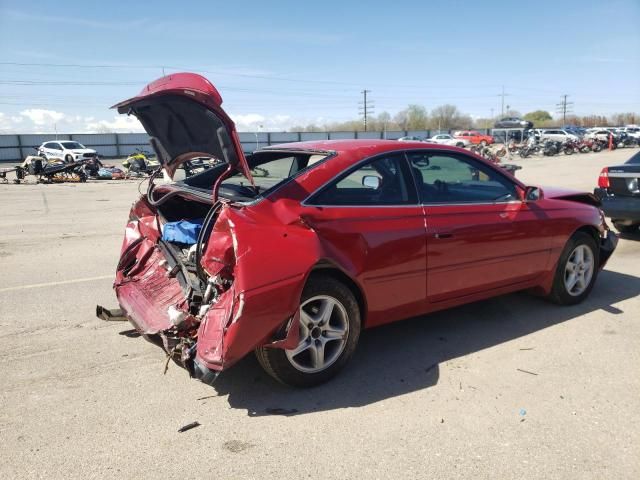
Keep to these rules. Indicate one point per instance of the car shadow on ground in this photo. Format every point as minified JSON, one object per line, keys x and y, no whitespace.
{"x":404,"y":357}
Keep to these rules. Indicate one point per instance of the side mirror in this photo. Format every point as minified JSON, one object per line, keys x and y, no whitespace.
{"x":533,"y":194}
{"x":371,"y":181}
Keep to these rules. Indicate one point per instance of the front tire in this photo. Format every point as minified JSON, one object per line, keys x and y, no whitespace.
{"x":576,"y":271}
{"x":329,"y":331}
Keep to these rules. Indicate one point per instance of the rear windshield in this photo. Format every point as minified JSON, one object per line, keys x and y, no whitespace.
{"x":270,"y":170}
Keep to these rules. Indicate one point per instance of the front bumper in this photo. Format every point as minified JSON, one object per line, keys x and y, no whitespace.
{"x":619,"y":207}
{"x":607,"y":246}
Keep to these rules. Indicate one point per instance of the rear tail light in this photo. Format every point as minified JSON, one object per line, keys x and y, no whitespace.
{"x":603,"y":179}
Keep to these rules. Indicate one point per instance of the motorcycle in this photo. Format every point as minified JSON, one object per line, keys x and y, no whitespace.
{"x":551,"y":148}
{"x":625,"y":140}
{"x":570,"y":147}
{"x":140,"y":163}
{"x":54,"y":170}
{"x":529,"y":150}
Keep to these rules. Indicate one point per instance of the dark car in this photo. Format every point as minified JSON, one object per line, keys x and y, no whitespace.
{"x":513,"y":122}
{"x":619,"y":191}
{"x":292,"y":251}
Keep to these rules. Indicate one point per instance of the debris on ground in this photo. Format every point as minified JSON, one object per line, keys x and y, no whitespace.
{"x":188,"y":426}
{"x":526,"y":371}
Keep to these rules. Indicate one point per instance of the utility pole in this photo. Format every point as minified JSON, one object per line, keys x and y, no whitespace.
{"x":366,"y":107}
{"x":502,"y":104}
{"x":564,"y":107}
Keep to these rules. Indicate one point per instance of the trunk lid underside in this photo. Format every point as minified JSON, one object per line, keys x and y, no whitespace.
{"x":183,"y":115}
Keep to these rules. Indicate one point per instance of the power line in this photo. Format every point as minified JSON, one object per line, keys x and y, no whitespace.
{"x":564,"y":107}
{"x":218,"y":72}
{"x":366,"y":107}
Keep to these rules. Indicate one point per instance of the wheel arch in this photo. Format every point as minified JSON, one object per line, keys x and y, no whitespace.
{"x":328,"y":268}
{"x":589,"y":230}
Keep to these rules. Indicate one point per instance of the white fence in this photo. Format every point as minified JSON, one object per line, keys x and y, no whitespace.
{"x":16,"y":147}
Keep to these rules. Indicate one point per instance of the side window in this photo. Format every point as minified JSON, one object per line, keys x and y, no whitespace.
{"x":443,"y":178}
{"x":382,"y":181}
{"x":49,"y":145}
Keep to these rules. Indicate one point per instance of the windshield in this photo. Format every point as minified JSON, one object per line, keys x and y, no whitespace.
{"x":71,"y":145}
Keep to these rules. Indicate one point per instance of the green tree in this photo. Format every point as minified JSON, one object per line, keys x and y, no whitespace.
{"x":414,"y":117}
{"x":447,"y":117}
{"x":538,"y":117}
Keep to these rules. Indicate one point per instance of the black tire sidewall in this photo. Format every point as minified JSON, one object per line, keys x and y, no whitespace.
{"x":559,"y":293}
{"x":275,"y":361}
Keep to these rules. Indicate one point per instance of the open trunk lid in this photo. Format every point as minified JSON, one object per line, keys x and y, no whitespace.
{"x":183,"y":115}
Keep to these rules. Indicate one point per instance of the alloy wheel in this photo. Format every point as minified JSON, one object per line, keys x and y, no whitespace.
{"x":324,"y":329}
{"x":579,"y":270}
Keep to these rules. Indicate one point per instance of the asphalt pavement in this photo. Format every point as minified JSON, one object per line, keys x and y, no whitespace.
{"x":513,"y":387}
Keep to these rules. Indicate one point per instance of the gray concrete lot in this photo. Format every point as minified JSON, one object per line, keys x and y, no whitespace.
{"x":513,"y":387}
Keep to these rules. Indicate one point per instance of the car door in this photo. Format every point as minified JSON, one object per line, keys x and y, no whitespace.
{"x":55,"y":150}
{"x":369,"y":219}
{"x":480,"y":235}
{"x":47,"y":149}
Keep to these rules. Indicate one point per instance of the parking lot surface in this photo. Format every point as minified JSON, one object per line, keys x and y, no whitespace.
{"x":513,"y":387}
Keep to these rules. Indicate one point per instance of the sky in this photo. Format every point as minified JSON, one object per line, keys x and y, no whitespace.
{"x":286,"y":63}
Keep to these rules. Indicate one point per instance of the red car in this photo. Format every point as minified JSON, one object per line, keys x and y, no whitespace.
{"x":475,"y":138}
{"x":292,"y":251}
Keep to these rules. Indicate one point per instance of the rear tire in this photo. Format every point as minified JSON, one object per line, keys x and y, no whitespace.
{"x":622,"y":228}
{"x":329,"y":331}
{"x":576,"y":271}
{"x":460,"y":145}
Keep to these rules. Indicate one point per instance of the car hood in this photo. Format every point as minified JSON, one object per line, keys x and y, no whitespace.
{"x":571,"y":195}
{"x":183,"y":115}
{"x":82,"y":150}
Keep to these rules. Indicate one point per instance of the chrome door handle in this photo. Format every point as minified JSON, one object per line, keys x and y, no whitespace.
{"x":443,"y":235}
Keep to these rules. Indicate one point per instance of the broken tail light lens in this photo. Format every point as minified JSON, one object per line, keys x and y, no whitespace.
{"x":603,"y":178}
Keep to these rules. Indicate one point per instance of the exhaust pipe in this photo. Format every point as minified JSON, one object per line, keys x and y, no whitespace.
{"x":113,"y":315}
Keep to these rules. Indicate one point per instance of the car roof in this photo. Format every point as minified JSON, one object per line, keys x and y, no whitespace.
{"x":364,"y":147}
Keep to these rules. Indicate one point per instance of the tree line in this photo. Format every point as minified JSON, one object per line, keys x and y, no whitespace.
{"x":449,"y":117}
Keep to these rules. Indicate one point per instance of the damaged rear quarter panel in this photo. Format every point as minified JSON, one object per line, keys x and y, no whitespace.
{"x":267,"y":285}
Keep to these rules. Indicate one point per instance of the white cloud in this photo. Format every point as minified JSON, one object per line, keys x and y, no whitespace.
{"x":5,"y":124}
{"x":40,"y":117}
{"x":35,"y":120}
{"x":120,"y":123}
{"x":250,"y":122}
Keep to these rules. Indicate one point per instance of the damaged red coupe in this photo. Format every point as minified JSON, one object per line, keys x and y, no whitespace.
{"x":293,"y":250}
